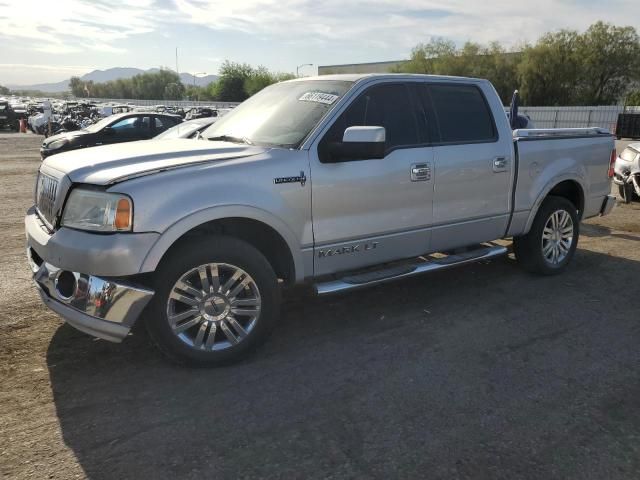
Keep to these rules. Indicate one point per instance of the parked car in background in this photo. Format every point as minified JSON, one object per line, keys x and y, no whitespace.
{"x":200,"y":112}
{"x":108,"y":110}
{"x":187,"y":129}
{"x":340,"y":181}
{"x":627,"y":173}
{"x":124,"y":127}
{"x":8,"y":118}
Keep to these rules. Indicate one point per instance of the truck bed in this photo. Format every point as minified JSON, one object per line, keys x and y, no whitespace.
{"x":544,"y":157}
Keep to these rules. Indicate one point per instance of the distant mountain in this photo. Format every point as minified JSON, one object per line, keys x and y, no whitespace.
{"x":99,"y":76}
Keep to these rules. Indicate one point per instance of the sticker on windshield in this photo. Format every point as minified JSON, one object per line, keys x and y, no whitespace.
{"x":319,"y":97}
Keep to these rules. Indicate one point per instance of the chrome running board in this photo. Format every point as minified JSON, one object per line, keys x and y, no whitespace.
{"x":418,"y":267}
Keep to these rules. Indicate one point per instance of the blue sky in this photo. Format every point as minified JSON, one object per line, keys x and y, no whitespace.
{"x":50,"y":40}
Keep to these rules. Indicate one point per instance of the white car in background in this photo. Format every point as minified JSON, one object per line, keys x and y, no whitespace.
{"x":188,"y":129}
{"x":627,"y":173}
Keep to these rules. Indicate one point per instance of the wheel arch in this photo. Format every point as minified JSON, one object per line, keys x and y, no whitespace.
{"x":568,"y":187}
{"x":270,"y":235}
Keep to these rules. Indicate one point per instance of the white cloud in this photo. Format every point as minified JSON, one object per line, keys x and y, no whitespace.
{"x":401,"y":24}
{"x":356,"y":30}
{"x":67,"y":26}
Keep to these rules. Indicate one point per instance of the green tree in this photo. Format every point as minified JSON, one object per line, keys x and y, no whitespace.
{"x":4,"y":90}
{"x":261,"y":78}
{"x":77,"y":87}
{"x":609,"y":63}
{"x":442,"y":57}
{"x":548,"y":71}
{"x":173,"y":91}
{"x":230,"y":85}
{"x":633,"y":98}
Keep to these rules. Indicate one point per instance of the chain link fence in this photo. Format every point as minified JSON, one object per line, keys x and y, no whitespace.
{"x":167,"y":103}
{"x":576,"y":117}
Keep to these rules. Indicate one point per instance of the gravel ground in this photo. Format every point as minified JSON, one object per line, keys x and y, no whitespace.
{"x":479,"y":372}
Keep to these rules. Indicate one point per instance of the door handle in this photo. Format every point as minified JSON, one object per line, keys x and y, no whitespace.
{"x":500,"y":164}
{"x":420,"y":172}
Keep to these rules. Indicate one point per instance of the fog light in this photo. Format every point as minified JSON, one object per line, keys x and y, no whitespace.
{"x":65,"y":285}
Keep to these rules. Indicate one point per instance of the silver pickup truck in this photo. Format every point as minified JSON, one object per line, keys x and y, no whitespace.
{"x":338,"y":181}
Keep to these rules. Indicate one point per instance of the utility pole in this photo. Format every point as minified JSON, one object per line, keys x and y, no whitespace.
{"x":177,"y":71}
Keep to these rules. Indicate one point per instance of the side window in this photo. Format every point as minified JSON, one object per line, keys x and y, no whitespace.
{"x":387,"y":106}
{"x":131,"y":126}
{"x":124,"y":125}
{"x":162,"y":123}
{"x":462,"y":114}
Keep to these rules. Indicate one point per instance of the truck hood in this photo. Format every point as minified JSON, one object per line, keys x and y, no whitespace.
{"x":113,"y":163}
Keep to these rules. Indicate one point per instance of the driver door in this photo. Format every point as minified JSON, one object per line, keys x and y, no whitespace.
{"x":128,"y":129}
{"x":372,"y":211}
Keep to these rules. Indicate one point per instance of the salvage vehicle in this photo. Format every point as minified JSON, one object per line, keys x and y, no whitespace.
{"x":124,"y":127}
{"x":187,"y":129}
{"x":8,"y":117}
{"x":627,"y":173}
{"x":200,"y":112}
{"x":339,"y":181}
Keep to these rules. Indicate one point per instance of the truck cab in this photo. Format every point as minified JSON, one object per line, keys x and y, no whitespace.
{"x":340,"y":181}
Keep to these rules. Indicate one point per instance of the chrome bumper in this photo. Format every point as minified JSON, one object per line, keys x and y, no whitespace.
{"x":607,"y":205}
{"x":100,"y":307}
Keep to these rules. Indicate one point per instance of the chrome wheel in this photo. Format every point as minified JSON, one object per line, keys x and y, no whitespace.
{"x":213,"y":306}
{"x":557,"y":237}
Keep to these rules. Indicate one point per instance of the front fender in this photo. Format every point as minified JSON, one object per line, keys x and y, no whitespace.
{"x":186,"y":224}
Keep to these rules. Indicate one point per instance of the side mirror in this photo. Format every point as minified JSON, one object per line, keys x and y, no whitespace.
{"x":108,"y":131}
{"x":358,"y":143}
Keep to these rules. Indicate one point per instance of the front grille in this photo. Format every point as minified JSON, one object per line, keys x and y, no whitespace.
{"x":46,"y":192}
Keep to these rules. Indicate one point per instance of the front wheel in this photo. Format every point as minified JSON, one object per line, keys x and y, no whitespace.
{"x":216,"y":300}
{"x":551,"y":243}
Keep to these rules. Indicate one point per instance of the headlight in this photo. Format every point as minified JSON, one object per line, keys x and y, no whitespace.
{"x":57,"y":144}
{"x":98,"y":211}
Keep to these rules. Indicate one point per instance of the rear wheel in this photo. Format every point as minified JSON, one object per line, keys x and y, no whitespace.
{"x":551,"y":243}
{"x":216,"y":300}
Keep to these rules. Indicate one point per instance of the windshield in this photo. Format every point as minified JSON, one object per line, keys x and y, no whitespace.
{"x":280,"y":115}
{"x":99,"y":125}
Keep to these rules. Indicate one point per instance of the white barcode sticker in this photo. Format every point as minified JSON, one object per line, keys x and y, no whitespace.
{"x":319,"y":97}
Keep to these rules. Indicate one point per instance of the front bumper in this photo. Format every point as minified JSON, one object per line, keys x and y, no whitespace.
{"x":101,"y":307}
{"x":112,"y":255}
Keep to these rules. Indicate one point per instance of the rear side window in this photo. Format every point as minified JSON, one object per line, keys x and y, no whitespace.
{"x":388,"y":106}
{"x":462,"y":113}
{"x":163,"y":123}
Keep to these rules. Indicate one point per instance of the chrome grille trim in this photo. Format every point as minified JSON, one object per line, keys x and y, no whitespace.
{"x":46,"y":192}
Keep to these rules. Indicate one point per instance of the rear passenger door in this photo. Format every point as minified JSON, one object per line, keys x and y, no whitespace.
{"x":129,"y":129}
{"x":161,"y":124}
{"x":371,"y":211}
{"x":473,"y":167}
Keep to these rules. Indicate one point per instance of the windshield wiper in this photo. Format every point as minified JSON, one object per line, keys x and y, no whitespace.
{"x":232,"y":139}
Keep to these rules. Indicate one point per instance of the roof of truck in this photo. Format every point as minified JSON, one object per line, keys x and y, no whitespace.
{"x":354,"y":77}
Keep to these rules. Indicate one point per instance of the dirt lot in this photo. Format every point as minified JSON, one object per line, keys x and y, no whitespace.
{"x":479,"y":372}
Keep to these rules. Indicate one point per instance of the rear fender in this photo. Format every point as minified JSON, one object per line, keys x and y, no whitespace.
{"x":545,"y":192}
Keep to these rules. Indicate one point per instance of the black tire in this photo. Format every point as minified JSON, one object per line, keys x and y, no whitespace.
{"x":529,"y":248}
{"x":627,"y":193}
{"x":623,"y":194}
{"x":212,"y":249}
